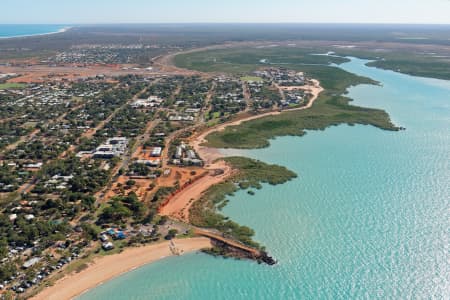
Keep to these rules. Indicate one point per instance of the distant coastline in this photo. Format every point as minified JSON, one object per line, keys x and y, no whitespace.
{"x":16,"y":32}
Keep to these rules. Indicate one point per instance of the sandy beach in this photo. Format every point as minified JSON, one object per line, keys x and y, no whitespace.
{"x":107,"y":267}
{"x":62,"y":30}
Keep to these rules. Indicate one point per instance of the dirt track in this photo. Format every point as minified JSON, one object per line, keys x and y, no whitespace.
{"x":179,"y":205}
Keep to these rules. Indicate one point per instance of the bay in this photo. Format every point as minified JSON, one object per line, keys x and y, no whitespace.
{"x":368,"y":216}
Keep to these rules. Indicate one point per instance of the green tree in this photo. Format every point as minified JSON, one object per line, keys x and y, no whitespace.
{"x":3,"y":248}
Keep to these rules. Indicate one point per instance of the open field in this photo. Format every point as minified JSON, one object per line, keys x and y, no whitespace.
{"x":245,"y":60}
{"x":251,"y":78}
{"x":39,"y":73}
{"x":12,"y":85}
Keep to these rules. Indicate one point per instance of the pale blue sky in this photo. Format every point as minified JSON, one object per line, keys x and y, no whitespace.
{"x":186,"y":11}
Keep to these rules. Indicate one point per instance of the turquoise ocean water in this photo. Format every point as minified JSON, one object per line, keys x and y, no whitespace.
{"x":10,"y":30}
{"x":367,"y":218}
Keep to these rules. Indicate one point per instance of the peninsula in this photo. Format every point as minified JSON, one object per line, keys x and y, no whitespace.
{"x":110,"y":148}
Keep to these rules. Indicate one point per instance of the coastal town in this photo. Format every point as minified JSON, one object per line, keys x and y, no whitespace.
{"x":91,"y":164}
{"x":244,"y":150}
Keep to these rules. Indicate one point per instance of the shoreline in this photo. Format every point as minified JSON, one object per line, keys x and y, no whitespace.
{"x":179,"y":205}
{"x":210,"y":154}
{"x":106,"y":268}
{"x":62,"y":30}
{"x":109,"y":267}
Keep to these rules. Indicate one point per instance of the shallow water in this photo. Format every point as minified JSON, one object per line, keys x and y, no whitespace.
{"x":11,"y":30}
{"x":368,"y":216}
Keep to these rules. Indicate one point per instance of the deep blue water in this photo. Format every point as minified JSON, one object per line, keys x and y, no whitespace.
{"x":368,"y":217}
{"x":10,"y":30}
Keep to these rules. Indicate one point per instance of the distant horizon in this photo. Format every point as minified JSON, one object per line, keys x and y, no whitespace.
{"x":232,"y":23}
{"x":231,"y":11}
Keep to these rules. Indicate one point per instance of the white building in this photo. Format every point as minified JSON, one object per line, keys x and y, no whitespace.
{"x":156,"y":152}
{"x":108,"y":246}
{"x":31,"y":262}
{"x":113,"y":147}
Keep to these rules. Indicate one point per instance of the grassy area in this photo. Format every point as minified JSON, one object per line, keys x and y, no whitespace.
{"x":8,"y":197}
{"x":30,"y":124}
{"x":329,"y":111}
{"x":420,"y":66}
{"x":245,"y":60}
{"x":7,"y":85}
{"x":215,"y":115}
{"x":252,"y":173}
{"x":119,"y":246}
{"x":417,"y":63}
{"x":251,"y":78}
